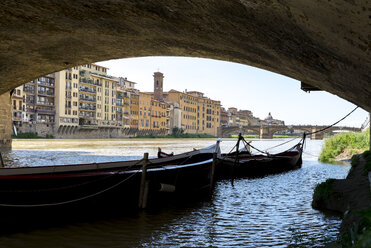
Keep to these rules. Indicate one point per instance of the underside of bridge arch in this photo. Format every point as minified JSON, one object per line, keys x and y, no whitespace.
{"x":323,"y":43}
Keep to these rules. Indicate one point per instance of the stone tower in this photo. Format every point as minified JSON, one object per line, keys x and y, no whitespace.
{"x":158,"y":89}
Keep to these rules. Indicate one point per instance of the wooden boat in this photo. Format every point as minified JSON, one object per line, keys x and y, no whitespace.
{"x":105,"y":184}
{"x":242,"y":163}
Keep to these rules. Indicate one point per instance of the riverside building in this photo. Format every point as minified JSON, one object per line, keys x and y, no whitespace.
{"x":82,"y":97}
{"x":84,"y":101}
{"x":199,"y":114}
{"x":18,"y":106}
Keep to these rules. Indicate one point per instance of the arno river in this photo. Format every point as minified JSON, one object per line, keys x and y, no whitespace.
{"x":274,"y":211}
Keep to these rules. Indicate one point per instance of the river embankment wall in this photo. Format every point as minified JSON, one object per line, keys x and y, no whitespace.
{"x":71,"y":132}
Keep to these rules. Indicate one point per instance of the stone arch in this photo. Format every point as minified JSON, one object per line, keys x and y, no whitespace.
{"x":286,"y":38}
{"x":225,"y":131}
{"x":303,"y":129}
{"x":59,"y":131}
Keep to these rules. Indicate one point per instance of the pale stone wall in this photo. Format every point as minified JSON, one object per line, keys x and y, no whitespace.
{"x":41,"y":129}
{"x":70,"y":132}
{"x":5,"y":121}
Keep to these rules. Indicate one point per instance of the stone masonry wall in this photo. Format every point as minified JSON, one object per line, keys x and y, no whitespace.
{"x":41,"y":129}
{"x":5,"y":121}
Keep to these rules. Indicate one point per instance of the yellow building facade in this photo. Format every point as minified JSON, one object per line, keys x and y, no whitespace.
{"x":199,"y":114}
{"x":152,"y":113}
{"x":18,"y":105}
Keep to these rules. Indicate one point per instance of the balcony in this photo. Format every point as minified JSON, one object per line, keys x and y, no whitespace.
{"x":87,"y":108}
{"x":46,"y":111}
{"x":46,"y":84}
{"x":29,"y":91}
{"x":87,"y":90}
{"x":82,"y":73}
{"x":45,"y":103}
{"x":87,"y":116}
{"x":87,"y":99}
{"x":46,"y":93}
{"x":89,"y":81}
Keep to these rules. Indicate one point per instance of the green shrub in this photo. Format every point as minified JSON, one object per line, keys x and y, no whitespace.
{"x":323,"y":190}
{"x":337,"y":143}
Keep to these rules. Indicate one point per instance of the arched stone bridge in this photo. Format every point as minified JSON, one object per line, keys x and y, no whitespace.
{"x":267,"y":132}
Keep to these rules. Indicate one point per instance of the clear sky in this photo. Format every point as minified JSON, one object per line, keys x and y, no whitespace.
{"x":241,"y":86}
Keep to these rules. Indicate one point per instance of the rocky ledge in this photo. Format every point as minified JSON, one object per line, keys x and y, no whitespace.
{"x":352,"y":198}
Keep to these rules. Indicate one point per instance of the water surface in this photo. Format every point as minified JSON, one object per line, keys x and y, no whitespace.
{"x":274,"y":211}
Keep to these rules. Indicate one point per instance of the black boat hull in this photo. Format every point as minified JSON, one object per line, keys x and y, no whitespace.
{"x":257,"y":165}
{"x":103,"y":188}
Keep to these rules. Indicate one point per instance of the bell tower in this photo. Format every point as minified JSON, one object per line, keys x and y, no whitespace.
{"x":158,"y":90}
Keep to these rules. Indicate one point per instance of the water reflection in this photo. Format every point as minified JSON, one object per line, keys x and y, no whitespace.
{"x":274,"y":211}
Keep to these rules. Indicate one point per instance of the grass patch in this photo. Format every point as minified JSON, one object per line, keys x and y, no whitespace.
{"x":356,"y":142}
{"x":31,"y":136}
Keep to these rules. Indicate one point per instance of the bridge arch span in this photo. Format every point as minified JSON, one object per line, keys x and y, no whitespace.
{"x":226,"y":131}
{"x":264,"y":35}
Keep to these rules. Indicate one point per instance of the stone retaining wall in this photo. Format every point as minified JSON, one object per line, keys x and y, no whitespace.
{"x":75,"y":132}
{"x":5,"y":121}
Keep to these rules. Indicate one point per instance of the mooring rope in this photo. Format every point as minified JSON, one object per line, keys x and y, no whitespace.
{"x":79,"y":184}
{"x":81,"y":198}
{"x":323,"y":129}
{"x":69,"y":201}
{"x":318,"y":131}
{"x":281,"y":144}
